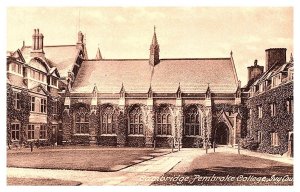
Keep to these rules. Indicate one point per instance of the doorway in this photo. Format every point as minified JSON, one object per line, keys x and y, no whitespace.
{"x":221,"y":135}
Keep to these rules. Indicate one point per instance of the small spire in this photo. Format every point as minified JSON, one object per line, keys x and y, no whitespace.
{"x":150,"y":92}
{"x":154,"y":38}
{"x":208,"y":92}
{"x":291,"y":58}
{"x":231,"y":53}
{"x":179,"y":86}
{"x":122,"y":88}
{"x":178,"y":91}
{"x":122,"y":91}
{"x":95,"y":90}
{"x":98,"y":55}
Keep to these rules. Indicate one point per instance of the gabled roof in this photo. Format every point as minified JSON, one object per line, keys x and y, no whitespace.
{"x":137,"y":75}
{"x":61,"y":56}
{"x":38,"y":88}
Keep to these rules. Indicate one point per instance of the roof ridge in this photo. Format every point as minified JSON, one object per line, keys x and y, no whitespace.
{"x":58,"y":45}
{"x":198,"y":58}
{"x":29,"y":46}
{"x":167,"y":59}
{"x":117,"y":60}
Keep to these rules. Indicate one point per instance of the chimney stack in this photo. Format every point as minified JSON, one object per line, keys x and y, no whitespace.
{"x":255,"y":71}
{"x":274,"y":56}
{"x":38,"y":44}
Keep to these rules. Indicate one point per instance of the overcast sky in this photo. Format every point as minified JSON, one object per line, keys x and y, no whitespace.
{"x":181,"y":32}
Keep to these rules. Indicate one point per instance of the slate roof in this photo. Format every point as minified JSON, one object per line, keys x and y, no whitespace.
{"x":137,"y":75}
{"x":61,"y":56}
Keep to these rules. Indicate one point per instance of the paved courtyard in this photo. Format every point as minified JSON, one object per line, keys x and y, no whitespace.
{"x":144,"y":173}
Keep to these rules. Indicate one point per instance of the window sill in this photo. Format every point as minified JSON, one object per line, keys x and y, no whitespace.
{"x":108,"y":135}
{"x":39,"y":113}
{"x":81,"y":134}
{"x":195,"y":136}
{"x":15,"y":73}
{"x":164,"y":135}
{"x":136,"y":135}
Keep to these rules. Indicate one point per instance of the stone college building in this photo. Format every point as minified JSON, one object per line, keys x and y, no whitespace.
{"x":57,"y":94}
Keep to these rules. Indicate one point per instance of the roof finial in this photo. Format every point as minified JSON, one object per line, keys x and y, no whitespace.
{"x":231,"y":53}
{"x":154,"y":29}
{"x":255,"y":62}
{"x":291,"y":58}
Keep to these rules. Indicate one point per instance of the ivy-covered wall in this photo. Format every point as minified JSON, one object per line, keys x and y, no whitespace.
{"x":281,"y":123}
{"x":191,"y":142}
{"x":107,"y":140}
{"x":133,"y":141}
{"x":20,"y":115}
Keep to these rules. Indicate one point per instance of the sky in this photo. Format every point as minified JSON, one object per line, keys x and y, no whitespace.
{"x":182,"y":32}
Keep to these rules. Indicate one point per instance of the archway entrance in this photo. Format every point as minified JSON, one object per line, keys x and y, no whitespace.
{"x":221,"y":135}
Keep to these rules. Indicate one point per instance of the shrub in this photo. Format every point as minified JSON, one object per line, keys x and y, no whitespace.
{"x":249,"y":143}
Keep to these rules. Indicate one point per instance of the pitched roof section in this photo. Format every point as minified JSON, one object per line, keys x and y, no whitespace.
{"x":136,"y":75}
{"x":275,"y":69}
{"x":62,"y":57}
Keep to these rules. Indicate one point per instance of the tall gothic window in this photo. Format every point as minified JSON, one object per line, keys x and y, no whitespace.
{"x":109,"y":120}
{"x":163,"y":121}
{"x":192,"y":123}
{"x":136,"y":125}
{"x":82,"y":121}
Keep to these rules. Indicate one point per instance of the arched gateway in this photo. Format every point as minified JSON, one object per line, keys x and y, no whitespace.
{"x":221,"y":134}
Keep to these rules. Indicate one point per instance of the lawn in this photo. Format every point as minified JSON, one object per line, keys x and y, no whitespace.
{"x":231,"y":169}
{"x":83,"y":158}
{"x":40,"y":182}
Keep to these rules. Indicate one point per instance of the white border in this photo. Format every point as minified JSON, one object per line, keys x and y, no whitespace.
{"x":212,"y":3}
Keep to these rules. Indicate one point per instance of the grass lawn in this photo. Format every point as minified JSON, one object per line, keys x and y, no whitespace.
{"x":40,"y":182}
{"x":231,"y":169}
{"x":83,"y":158}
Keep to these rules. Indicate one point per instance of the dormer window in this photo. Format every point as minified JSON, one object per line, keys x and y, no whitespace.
{"x":39,"y":76}
{"x":276,"y":80}
{"x":53,"y":81}
{"x":16,"y":68}
{"x":261,"y":87}
{"x":291,"y":74}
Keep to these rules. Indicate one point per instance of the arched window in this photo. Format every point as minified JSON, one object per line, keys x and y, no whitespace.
{"x":192,"y":124}
{"x":109,"y":121}
{"x":82,"y":121}
{"x":136,"y":125}
{"x":163,"y":121}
